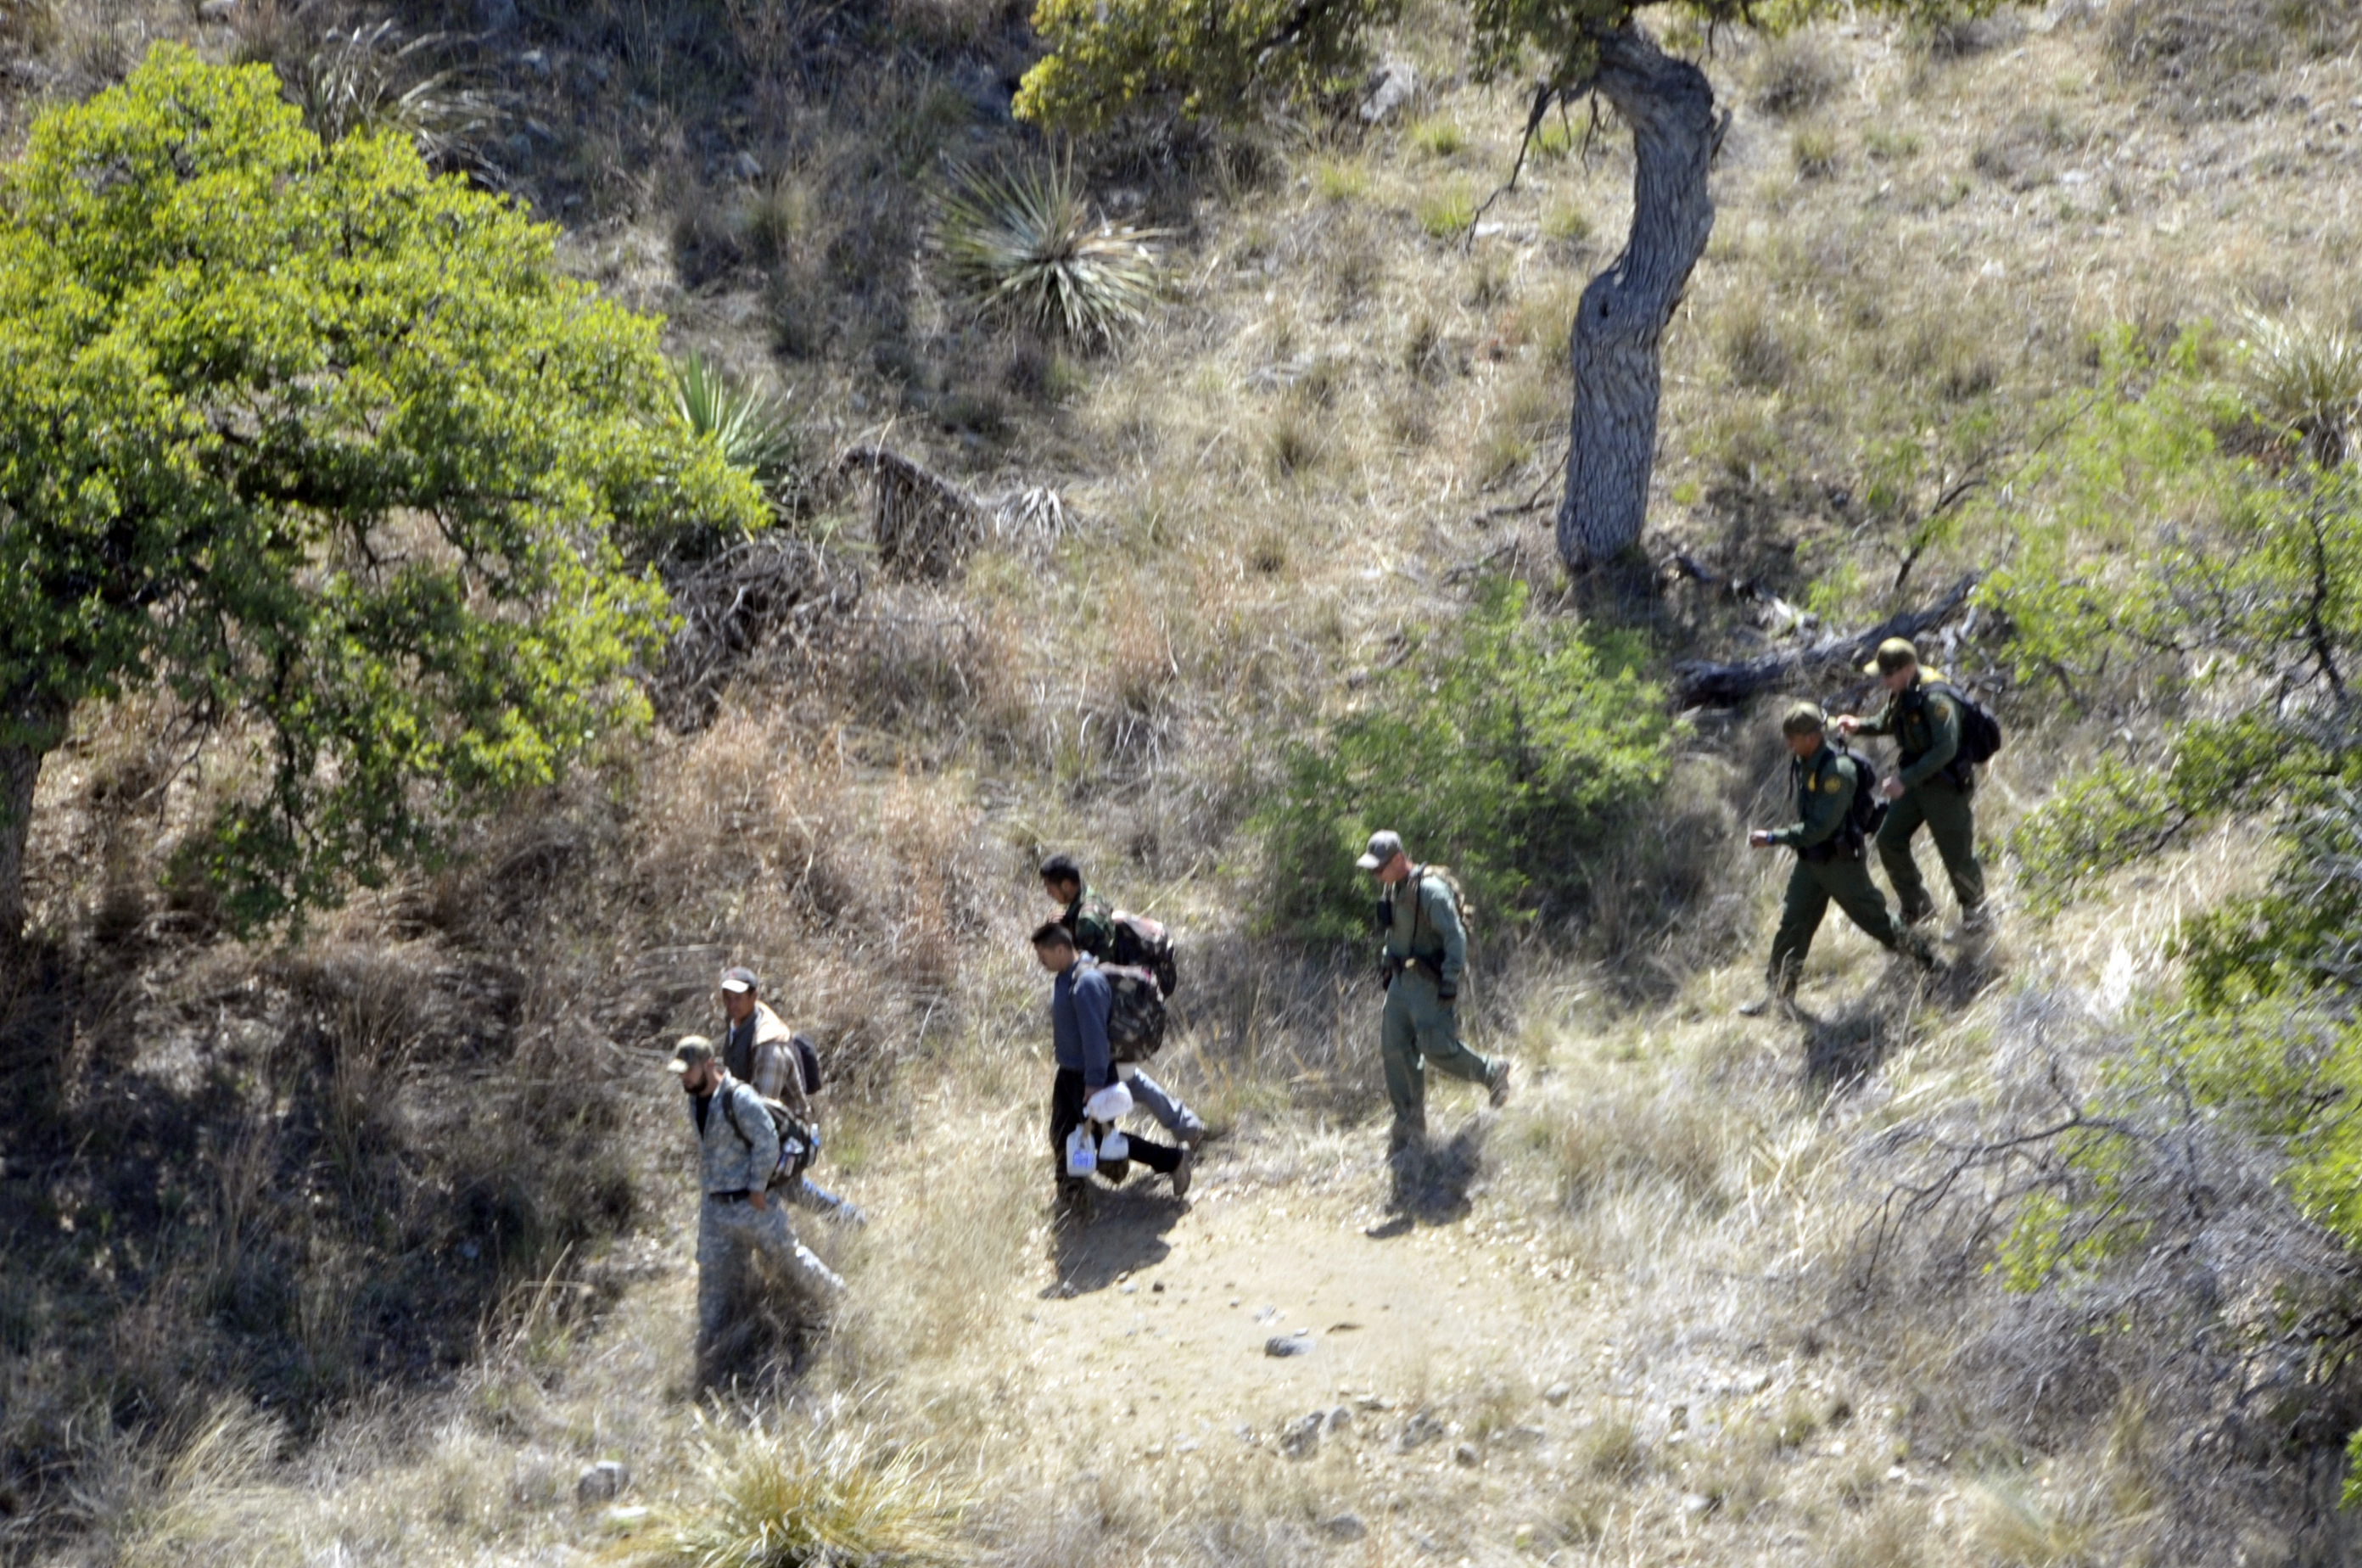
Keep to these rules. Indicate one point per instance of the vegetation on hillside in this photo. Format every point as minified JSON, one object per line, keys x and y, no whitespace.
{"x":325,"y":448}
{"x":359,"y":1240}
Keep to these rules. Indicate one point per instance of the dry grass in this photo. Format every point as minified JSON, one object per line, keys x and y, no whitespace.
{"x":1270,"y":486}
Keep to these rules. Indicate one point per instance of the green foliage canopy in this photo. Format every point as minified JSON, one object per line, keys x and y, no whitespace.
{"x":326,"y":444}
{"x":1504,"y":748}
{"x":1230,"y":58}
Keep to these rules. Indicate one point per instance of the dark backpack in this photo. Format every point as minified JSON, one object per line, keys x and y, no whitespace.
{"x":1141,"y":943}
{"x":1980,"y":731}
{"x":1136,"y":1016}
{"x":1864,"y":816}
{"x":799,"y":1143}
{"x":1867,"y":812}
{"x":807,"y":1061}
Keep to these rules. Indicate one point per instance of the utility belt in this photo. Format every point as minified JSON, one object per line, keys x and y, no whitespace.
{"x":1845,"y":847}
{"x":735,"y":1195}
{"x":1414,"y":964}
{"x":1960,"y":775}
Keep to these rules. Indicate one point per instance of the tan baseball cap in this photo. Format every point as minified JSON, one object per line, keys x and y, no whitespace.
{"x":693,"y":1051}
{"x":1384,"y":845}
{"x":1894,"y":654}
{"x":1803,"y":719}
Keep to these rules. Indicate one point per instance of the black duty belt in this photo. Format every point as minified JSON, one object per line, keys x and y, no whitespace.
{"x":737,"y":1194}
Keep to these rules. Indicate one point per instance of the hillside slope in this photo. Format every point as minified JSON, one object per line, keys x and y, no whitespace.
{"x":358,"y":1247}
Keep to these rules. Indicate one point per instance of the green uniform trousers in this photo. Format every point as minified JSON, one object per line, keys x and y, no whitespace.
{"x":1811,"y":888}
{"x":1942,"y":807}
{"x":1420,"y":1033}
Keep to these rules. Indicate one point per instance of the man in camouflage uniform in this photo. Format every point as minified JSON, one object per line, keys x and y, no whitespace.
{"x":1829,"y":862}
{"x":1091,"y":921}
{"x":1425,"y":959}
{"x":738,"y":1150}
{"x":1931,"y":788}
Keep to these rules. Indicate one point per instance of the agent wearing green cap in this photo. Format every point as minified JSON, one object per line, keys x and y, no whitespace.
{"x":1931,"y":788}
{"x":1830,"y":861}
{"x":1423,"y":963}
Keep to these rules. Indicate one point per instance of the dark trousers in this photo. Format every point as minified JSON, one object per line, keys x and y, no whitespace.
{"x":1067,"y":1098}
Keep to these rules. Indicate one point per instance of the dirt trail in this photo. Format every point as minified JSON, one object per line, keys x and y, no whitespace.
{"x":1176,"y":1303}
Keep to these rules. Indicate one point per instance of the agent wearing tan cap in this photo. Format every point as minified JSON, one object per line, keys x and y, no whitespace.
{"x":1830,"y":861}
{"x":1425,"y":960}
{"x":1931,"y":788}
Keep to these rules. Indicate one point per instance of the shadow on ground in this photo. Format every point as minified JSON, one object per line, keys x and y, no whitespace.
{"x":1125,"y":1234}
{"x":1854,"y":1042}
{"x":1430,"y":1186}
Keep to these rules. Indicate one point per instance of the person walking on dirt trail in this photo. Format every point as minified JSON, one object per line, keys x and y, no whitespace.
{"x":1925,"y":714}
{"x":1079,"y":1001}
{"x":738,"y":1153}
{"x":1424,"y":961}
{"x":1829,"y":841}
{"x":762,"y":1053}
{"x":1092,"y":920}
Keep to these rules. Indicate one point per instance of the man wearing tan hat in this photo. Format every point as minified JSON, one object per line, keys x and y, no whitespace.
{"x":1830,"y":861}
{"x":1424,"y":962}
{"x":738,"y":1158}
{"x":1931,"y":788}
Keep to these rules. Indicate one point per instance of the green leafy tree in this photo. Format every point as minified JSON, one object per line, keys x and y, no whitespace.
{"x":1231,"y":59}
{"x":1506,"y":749}
{"x":326,"y":445}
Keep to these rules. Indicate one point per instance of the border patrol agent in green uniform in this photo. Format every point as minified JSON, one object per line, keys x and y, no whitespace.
{"x":1426,"y":959}
{"x":1829,"y":862}
{"x":1931,"y":787}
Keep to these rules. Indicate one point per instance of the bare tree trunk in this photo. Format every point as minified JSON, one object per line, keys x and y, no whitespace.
{"x":1618,"y":340}
{"x":33,"y":727}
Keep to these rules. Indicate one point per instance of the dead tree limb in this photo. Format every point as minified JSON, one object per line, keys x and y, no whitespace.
{"x":1703,"y":683}
{"x":924,"y":525}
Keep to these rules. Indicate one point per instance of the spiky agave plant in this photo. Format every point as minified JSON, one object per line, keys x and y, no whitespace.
{"x":1025,"y":241}
{"x":753,"y":428}
{"x":2304,"y":379}
{"x":353,"y":82}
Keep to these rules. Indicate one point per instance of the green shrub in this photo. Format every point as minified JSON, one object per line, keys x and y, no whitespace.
{"x":751,"y":428}
{"x":1507,"y":747}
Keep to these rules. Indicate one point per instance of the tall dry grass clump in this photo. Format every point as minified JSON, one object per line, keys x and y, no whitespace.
{"x":786,"y":1496}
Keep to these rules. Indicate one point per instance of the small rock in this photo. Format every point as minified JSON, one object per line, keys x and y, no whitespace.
{"x":217,"y":11}
{"x":1156,"y":1288}
{"x":1559,"y":1392}
{"x":1420,"y":1429}
{"x":625,"y":1520}
{"x":535,"y":61}
{"x":1345,"y":1527}
{"x":746,"y":166}
{"x":1390,"y":89}
{"x":1300,"y":1439}
{"x":1187,"y":1445}
{"x":1696,"y":1503}
{"x":1523,"y":1437}
{"x":1288,"y":1345}
{"x":1464,"y":1454}
{"x":602,"y":1483}
{"x":1126,"y":1288}
{"x":1340,"y":1418}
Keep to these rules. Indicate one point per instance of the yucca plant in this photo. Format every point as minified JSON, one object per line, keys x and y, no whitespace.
{"x":802,"y":1499}
{"x":1026,"y":242}
{"x":2303,"y":378}
{"x":753,"y":428}
{"x":351,"y":82}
